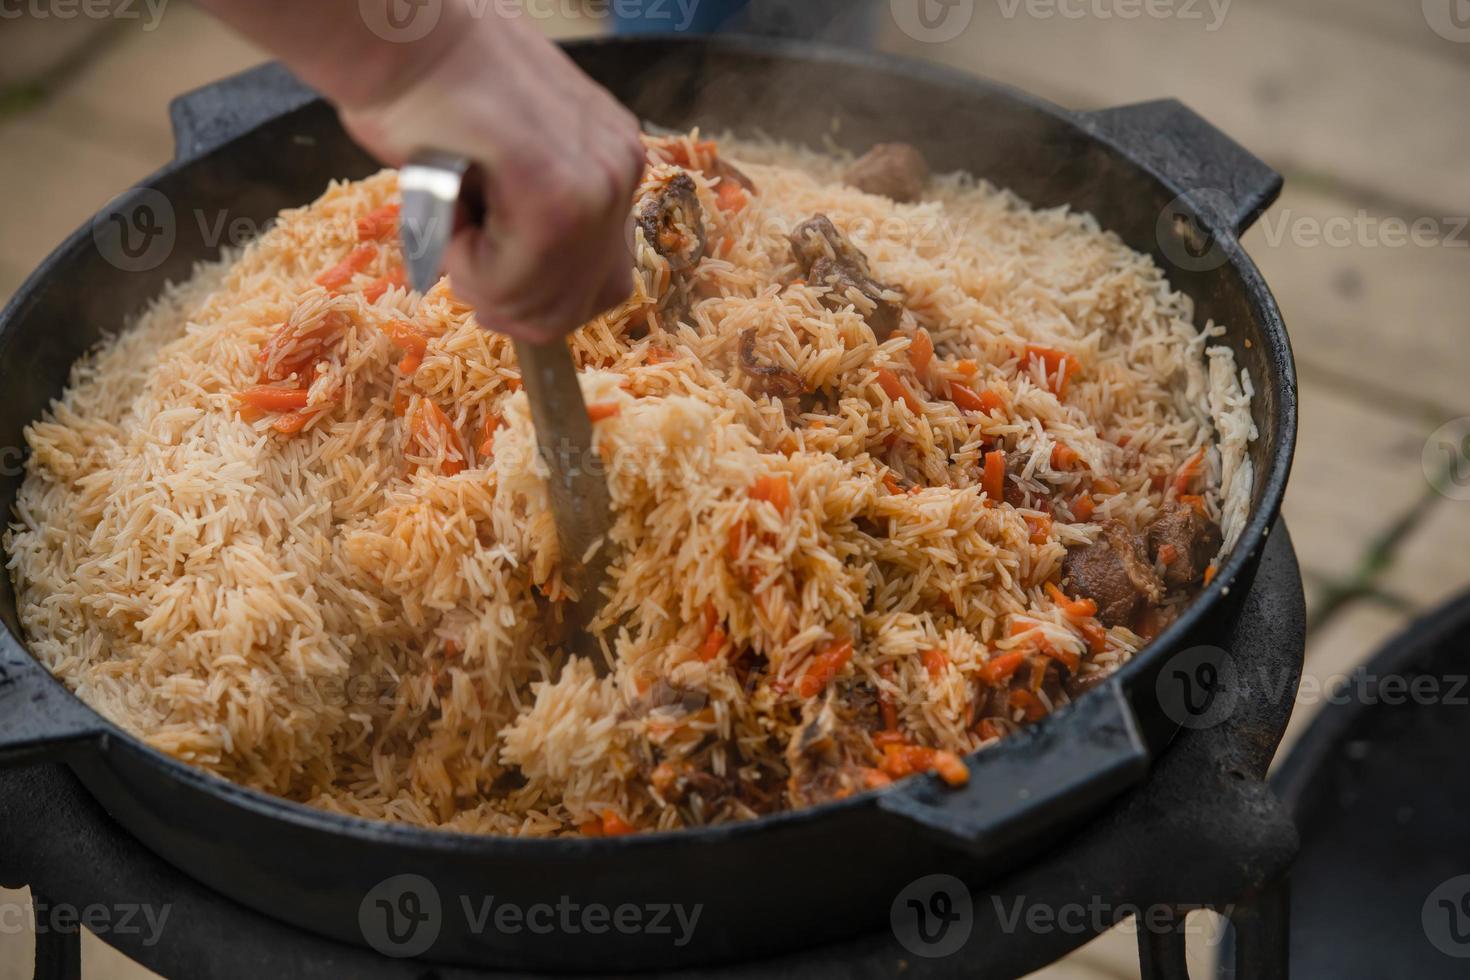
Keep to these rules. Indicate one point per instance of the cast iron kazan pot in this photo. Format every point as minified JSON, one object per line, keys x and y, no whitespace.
{"x":1155,"y":173}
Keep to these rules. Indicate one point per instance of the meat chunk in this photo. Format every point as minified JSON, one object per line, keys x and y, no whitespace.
{"x":673,"y":222}
{"x":1184,"y":541}
{"x":897,"y":171}
{"x":830,"y":261}
{"x":1115,"y":573}
{"x":823,"y":758}
{"x":768,"y":379}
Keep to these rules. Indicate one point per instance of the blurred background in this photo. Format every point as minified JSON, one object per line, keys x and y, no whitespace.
{"x":1359,"y":103}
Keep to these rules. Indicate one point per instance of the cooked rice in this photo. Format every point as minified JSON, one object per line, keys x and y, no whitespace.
{"x":331,"y":618}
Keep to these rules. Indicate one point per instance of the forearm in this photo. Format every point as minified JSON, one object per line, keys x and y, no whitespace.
{"x":331,"y":46}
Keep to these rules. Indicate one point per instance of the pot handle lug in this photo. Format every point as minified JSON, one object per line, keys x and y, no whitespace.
{"x":40,"y":721}
{"x":1191,"y":156}
{"x":211,"y":116}
{"x":1036,"y":766}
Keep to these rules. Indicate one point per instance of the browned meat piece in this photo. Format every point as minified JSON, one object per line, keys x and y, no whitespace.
{"x":768,"y":379}
{"x":895,"y":170}
{"x":818,"y":238}
{"x":1184,"y":541}
{"x":829,"y":260}
{"x":1115,"y":573}
{"x":673,"y":222}
{"x":823,"y":758}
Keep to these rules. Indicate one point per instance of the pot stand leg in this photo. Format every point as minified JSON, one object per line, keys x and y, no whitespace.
{"x":58,"y":951}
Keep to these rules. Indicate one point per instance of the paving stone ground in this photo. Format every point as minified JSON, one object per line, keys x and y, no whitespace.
{"x":1359,"y":103}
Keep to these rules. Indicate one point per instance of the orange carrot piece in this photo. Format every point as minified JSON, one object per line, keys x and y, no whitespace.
{"x":1075,"y":608}
{"x":431,"y":417}
{"x":921,"y":352}
{"x":950,"y":767}
{"x":935,"y":662}
{"x":891,"y":484}
{"x":714,"y":642}
{"x":1064,"y":457}
{"x":292,"y":422}
{"x":378,"y":223}
{"x":1082,"y":508}
{"x":896,"y":390}
{"x":602,"y":411}
{"x":395,"y":279}
{"x":967,"y":399}
{"x":614,"y":825}
{"x":1095,"y":635}
{"x":735,"y":543}
{"x":1188,"y":471}
{"x":340,"y":274}
{"x":1194,"y":500}
{"x":993,"y":480}
{"x":1210,"y":574}
{"x":824,"y":667}
{"x":730,"y":196}
{"x":1040,"y":526}
{"x":269,"y":398}
{"x":999,"y":669}
{"x":1059,"y":365}
{"x":1168,"y":553}
{"x":988,"y":729}
{"x":1028,"y":703}
{"x":1106,"y":486}
{"x":775,"y":490}
{"x":967,"y":367}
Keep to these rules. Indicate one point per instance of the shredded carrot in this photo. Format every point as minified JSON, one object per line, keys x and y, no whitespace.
{"x":1074,"y":608}
{"x":1194,"y":500}
{"x":1082,"y":508}
{"x":1066,"y":658}
{"x":898,"y":391}
{"x":614,"y":825}
{"x":730,"y":196}
{"x":379,"y":223}
{"x":430,"y":419}
{"x":1106,"y":486}
{"x":874,"y":778}
{"x":294,"y":351}
{"x":921,"y":352}
{"x":1060,"y":366}
{"x":993,"y":480}
{"x":714,"y":642}
{"x":657,"y":355}
{"x":1189,"y":471}
{"x":905,"y":760}
{"x":966,"y":399}
{"x":409,"y":339}
{"x":999,"y":669}
{"x":393,"y":280}
{"x":886,"y":706}
{"x":269,"y":398}
{"x":602,"y":411}
{"x":967,"y":367}
{"x":735,"y":545}
{"x":1095,"y":635}
{"x":890,"y":482}
{"x":1028,"y":703}
{"x":775,"y":490}
{"x":988,"y":729}
{"x":1040,"y":526}
{"x":1210,"y":574}
{"x":824,"y":667}
{"x":292,"y":422}
{"x":340,"y":274}
{"x":1168,"y":554}
{"x":487,"y":435}
{"x":935,"y":662}
{"x":1064,"y":457}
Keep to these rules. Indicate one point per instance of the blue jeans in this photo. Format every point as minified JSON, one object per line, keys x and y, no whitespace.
{"x":840,"y":21}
